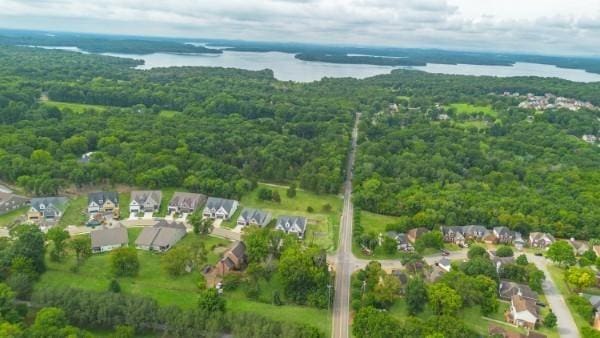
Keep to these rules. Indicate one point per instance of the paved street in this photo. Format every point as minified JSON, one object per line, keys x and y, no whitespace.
{"x":556,"y":301}
{"x":344,"y":259}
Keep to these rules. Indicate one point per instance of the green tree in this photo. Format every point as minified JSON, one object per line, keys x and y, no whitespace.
{"x":370,"y":322}
{"x":550,"y":320}
{"x":432,"y":239}
{"x":199,"y":224}
{"x":477,"y":251}
{"x":114,"y":286}
{"x":265,"y":194}
{"x":124,"y":262}
{"x":176,"y":260}
{"x":561,"y":252}
{"x":210,"y":301}
{"x":58,"y":237}
{"x":443,"y":300}
{"x":82,"y":247}
{"x":522,"y":260}
{"x":416,"y":296}
{"x":580,"y":278}
{"x":275,"y":197}
{"x":291,"y":191}
{"x":504,"y":251}
{"x":30,"y":245}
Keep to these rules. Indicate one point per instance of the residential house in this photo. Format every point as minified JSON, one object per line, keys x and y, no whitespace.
{"x":500,"y":261}
{"x":414,"y":234}
{"x":444,"y":264}
{"x":434,"y":274}
{"x":503,"y":235}
{"x":107,"y":239}
{"x":401,"y":239}
{"x":292,"y":224}
{"x":541,"y":239}
{"x":475,"y":232}
{"x":254,"y":217}
{"x":185,"y":202}
{"x":103,"y":202}
{"x":497,"y":331}
{"x":145,"y":201}
{"x":234,"y":259}
{"x":453,"y":234}
{"x":220,"y":208}
{"x":579,"y":247}
{"x":518,"y":242}
{"x":507,"y":289}
{"x":10,"y":202}
{"x":161,"y":236}
{"x":523,"y":312}
{"x":46,"y":209}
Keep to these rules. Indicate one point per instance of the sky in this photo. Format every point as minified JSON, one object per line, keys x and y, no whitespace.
{"x":560,"y":27}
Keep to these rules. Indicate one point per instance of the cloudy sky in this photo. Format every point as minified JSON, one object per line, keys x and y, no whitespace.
{"x":539,"y":26}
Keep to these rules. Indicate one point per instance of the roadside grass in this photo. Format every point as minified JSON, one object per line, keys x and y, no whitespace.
{"x":75,"y":213}
{"x":323,"y":224}
{"x":10,"y":218}
{"x":470,"y":109}
{"x":557,"y":275}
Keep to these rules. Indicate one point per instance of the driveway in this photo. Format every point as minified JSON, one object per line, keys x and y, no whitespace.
{"x":565,"y":322}
{"x":148,"y":215}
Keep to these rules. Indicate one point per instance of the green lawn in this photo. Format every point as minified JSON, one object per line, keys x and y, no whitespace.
{"x":167,"y":194}
{"x":467,"y":108}
{"x":372,"y":222}
{"x":322,"y":225}
{"x":79,"y":108}
{"x":124,"y":199}
{"x":8,"y":219}
{"x":76,"y":212}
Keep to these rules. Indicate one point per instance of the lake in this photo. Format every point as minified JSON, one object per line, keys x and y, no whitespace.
{"x":287,"y":68}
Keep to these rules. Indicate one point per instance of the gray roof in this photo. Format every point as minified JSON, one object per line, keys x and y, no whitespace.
{"x":141,"y":196}
{"x":110,"y":236}
{"x":507,"y":289}
{"x":187,"y":200}
{"x":594,"y":300}
{"x":103,"y":196}
{"x":216,"y":203}
{"x":8,"y":201}
{"x":475,"y":230}
{"x":162,"y":233}
{"x":444,"y":261}
{"x":502,"y":231}
{"x":286,"y":222}
{"x":238,"y":250}
{"x":261,"y":217}
{"x":55,"y":203}
{"x":536,"y":236}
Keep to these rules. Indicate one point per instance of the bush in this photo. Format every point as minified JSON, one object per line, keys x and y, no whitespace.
{"x":504,"y":251}
{"x":21,"y":284}
{"x":231,"y":281}
{"x":114,"y":286}
{"x":550,"y":320}
{"x":326,"y":207}
{"x":309,"y":209}
{"x":582,"y":306}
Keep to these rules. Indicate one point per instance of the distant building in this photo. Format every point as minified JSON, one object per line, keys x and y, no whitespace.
{"x":10,"y":202}
{"x":234,"y":259}
{"x":540,"y":239}
{"x":416,"y":233}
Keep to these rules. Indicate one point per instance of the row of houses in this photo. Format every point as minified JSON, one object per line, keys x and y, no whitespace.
{"x":10,"y":202}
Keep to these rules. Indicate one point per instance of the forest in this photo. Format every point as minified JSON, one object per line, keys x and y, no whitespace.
{"x":500,"y":166}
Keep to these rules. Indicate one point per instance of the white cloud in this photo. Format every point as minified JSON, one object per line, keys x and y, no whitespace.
{"x":544,"y":26}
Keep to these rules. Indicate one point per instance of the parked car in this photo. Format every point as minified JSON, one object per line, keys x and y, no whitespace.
{"x":445,"y":253}
{"x":539,"y":254}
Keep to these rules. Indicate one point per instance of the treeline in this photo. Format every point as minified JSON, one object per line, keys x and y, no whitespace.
{"x":106,"y":310}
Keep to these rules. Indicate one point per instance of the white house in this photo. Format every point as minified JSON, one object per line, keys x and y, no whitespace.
{"x":523,"y":312}
{"x":292,"y":224}
{"x":145,"y":201}
{"x":220,"y":208}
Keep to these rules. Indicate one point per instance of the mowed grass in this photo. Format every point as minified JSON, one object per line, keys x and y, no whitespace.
{"x":10,"y":218}
{"x":75,"y":213}
{"x":80,"y":108}
{"x":167,"y":194}
{"x":323,"y":224}
{"x":124,"y":200}
{"x":95,"y":274}
{"x":376,"y":223}
{"x":470,"y":109}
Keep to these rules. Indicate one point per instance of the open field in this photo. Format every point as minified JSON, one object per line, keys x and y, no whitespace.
{"x":469,"y":109}
{"x":322,"y":224}
{"x":75,"y":214}
{"x":9,"y":218}
{"x":82,"y":108}
{"x":152,"y":281}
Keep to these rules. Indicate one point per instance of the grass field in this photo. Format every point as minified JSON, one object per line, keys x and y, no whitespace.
{"x":94,"y":274}
{"x":75,"y":214}
{"x":469,"y":109}
{"x":167,"y":194}
{"x":8,"y":219}
{"x":322,"y":225}
{"x":82,"y":108}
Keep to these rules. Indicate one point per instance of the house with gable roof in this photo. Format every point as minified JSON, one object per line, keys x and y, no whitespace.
{"x":103,"y":202}
{"x":292,"y":224}
{"x":145,"y":201}
{"x":185,"y":202}
{"x":46,"y":209}
{"x":220,"y":208}
{"x":254,"y":217}
{"x":234,"y":259}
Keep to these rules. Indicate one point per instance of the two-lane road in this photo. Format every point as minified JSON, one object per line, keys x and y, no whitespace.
{"x":344,"y":257}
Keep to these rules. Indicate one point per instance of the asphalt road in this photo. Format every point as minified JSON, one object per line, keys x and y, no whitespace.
{"x":565,"y":322}
{"x":344,"y":258}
